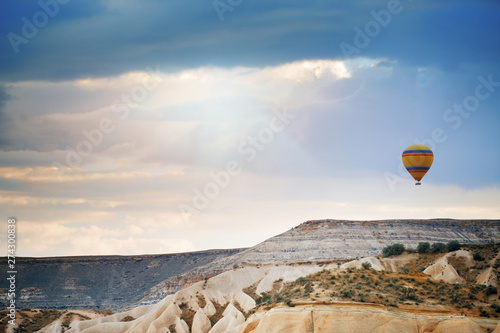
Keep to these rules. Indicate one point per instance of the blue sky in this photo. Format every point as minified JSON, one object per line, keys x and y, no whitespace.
{"x":155,"y":126}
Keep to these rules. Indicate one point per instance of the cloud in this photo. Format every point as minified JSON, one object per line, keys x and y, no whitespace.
{"x":197,"y":114}
{"x":247,"y":211}
{"x":307,"y":71}
{"x":47,"y":239}
{"x":5,"y":140}
{"x":199,"y":118}
{"x":179,"y":36}
{"x":53,"y":174}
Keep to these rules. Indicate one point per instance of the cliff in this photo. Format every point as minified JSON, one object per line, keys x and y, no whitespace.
{"x":340,"y":239}
{"x":105,"y":282}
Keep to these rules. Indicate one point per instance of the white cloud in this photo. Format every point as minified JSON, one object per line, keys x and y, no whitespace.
{"x":48,"y":239}
{"x":310,"y":70}
{"x":124,"y":197}
{"x":251,"y":209}
{"x":70,"y":174}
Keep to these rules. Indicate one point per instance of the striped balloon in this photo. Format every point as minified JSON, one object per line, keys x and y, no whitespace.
{"x":417,"y":160}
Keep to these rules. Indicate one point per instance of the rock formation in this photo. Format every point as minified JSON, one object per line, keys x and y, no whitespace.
{"x":106,"y":282}
{"x":220,"y":304}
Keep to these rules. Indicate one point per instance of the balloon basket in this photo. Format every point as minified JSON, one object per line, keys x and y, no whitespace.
{"x":418,"y":183}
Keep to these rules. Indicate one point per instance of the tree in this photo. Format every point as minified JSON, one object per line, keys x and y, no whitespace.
{"x":453,"y":246}
{"x":478,"y":257}
{"x":395,"y":249}
{"x":438,"y":247}
{"x":424,"y":247}
{"x":491,"y":290}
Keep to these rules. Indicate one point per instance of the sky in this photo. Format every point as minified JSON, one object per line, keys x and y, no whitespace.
{"x":161,"y":126}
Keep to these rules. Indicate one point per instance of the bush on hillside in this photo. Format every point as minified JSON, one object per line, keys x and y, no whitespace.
{"x":424,"y":247}
{"x":393,"y":250}
{"x":491,"y":290}
{"x":438,"y":248}
{"x":478,"y":257}
{"x":453,"y":246}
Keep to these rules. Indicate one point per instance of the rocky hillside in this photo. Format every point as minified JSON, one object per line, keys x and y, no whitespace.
{"x":111,"y":282}
{"x":339,"y":239}
{"x":119,"y":282}
{"x":373,"y":294}
{"x":326,"y":240}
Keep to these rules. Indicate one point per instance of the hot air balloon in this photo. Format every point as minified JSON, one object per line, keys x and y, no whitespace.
{"x":417,"y":160}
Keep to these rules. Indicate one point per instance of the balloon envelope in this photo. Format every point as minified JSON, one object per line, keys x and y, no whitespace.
{"x":417,"y":160}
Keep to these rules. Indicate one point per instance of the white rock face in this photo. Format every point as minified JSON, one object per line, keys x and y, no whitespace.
{"x":224,"y":290}
{"x":442,"y":270}
{"x":226,"y":325}
{"x":324,"y":240}
{"x":201,"y":323}
{"x":231,"y":311}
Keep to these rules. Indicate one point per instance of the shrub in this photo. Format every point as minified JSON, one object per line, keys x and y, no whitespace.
{"x":478,"y":257}
{"x":453,"y":246}
{"x":424,"y":247}
{"x":491,"y":290}
{"x":366,"y":265}
{"x":412,"y":296}
{"x":278,"y":297}
{"x":405,"y":270}
{"x":395,"y":249}
{"x":438,"y":248}
{"x":264,"y":299}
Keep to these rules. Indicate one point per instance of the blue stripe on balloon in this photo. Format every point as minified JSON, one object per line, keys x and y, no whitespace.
{"x":414,"y":151}
{"x":422,"y":168}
